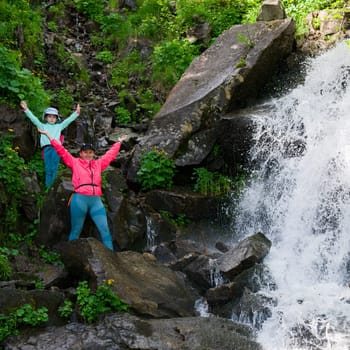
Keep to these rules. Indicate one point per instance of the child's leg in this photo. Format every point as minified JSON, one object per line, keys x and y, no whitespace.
{"x":99,"y":216}
{"x":52,"y":160}
{"x":78,"y":211}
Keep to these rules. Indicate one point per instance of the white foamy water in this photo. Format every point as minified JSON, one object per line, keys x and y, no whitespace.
{"x":300,"y":199}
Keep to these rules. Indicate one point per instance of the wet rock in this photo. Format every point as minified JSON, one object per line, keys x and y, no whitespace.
{"x":253,"y":309}
{"x":246,"y":254}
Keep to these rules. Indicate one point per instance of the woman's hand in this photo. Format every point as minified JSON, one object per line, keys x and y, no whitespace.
{"x":122,"y":138}
{"x":45,"y":132}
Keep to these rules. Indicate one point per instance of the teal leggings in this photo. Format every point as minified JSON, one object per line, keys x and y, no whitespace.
{"x":51,"y":161}
{"x":80,"y":206}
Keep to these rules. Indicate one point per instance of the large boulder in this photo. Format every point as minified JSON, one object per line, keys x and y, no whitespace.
{"x":244,"y":255}
{"x":225,"y":77}
{"x":149,"y":288}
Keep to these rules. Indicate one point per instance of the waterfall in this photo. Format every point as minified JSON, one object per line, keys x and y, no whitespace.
{"x":300,"y":199}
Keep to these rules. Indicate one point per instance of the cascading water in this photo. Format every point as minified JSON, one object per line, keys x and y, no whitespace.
{"x":300,"y":199}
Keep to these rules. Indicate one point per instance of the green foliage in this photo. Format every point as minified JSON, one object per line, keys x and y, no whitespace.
{"x":50,"y":257}
{"x":130,"y":66}
{"x":66,"y":309}
{"x":156,"y":20}
{"x":20,"y":29}
{"x":105,"y":56}
{"x":136,"y":102}
{"x":92,"y":9}
{"x":171,"y":59}
{"x":242,"y":63}
{"x":115,"y":31}
{"x":12,"y":241}
{"x":18,"y":83}
{"x":246,"y":40}
{"x":65,"y":101}
{"x":211,"y":183}
{"x":24,"y":315}
{"x":298,"y":10}
{"x":27,"y":315}
{"x":52,"y":26}
{"x":5,"y":268}
{"x":179,"y":221}
{"x":123,"y":115}
{"x":156,"y":171}
{"x":220,"y":14}
{"x":91,"y":305}
{"x":12,"y":167}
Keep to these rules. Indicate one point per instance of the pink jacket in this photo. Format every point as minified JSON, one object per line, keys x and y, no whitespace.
{"x":86,"y":175}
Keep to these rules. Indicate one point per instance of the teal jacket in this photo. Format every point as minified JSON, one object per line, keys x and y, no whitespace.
{"x":54,"y":130}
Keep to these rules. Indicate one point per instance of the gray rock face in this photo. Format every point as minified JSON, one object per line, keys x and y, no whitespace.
{"x":270,"y":10}
{"x":248,"y":252}
{"x":117,"y":332}
{"x":231,"y":71}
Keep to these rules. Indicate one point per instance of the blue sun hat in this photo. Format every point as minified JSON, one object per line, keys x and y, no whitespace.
{"x":52,"y":111}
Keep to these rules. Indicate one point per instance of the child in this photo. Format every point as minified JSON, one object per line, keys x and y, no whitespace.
{"x":51,"y":124}
{"x":87,"y":183}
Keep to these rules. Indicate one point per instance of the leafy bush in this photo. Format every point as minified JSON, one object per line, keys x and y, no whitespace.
{"x":5,"y":268}
{"x":105,"y":56}
{"x":24,"y":315}
{"x":171,"y":59}
{"x":12,"y":167}
{"x":179,"y":221}
{"x":21,"y":28}
{"x":156,"y":20}
{"x":50,"y":257}
{"x":65,"y":101}
{"x":211,"y":183}
{"x":92,"y":9}
{"x":123,"y":115}
{"x":156,"y":171}
{"x":220,"y":14}
{"x":298,"y":9}
{"x":91,"y":305}
{"x":18,"y":83}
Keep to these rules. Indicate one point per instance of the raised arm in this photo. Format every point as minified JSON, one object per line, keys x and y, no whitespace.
{"x":71,"y":118}
{"x":112,"y":153}
{"x":66,"y":157}
{"x":30,"y":115}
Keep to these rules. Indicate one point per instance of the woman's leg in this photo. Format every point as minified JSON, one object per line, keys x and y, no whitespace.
{"x":99,"y":216}
{"x":78,"y":210}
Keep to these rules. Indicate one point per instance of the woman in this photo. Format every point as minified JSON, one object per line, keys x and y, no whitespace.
{"x":87,"y":183}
